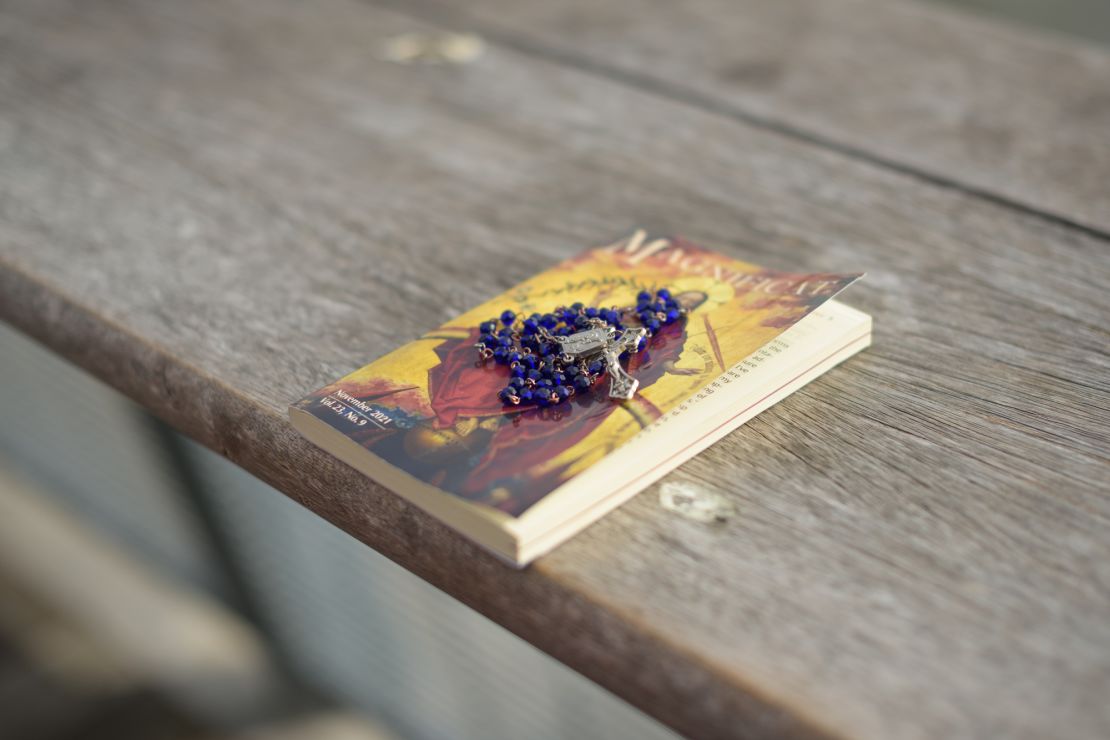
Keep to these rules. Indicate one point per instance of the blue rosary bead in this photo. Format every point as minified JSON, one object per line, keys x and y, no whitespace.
{"x":538,"y":371}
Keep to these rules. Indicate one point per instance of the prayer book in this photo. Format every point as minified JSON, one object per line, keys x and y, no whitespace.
{"x":445,"y":421}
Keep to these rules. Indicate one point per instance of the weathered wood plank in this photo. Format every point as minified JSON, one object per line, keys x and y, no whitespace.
{"x":963,"y":100}
{"x":216,"y":206}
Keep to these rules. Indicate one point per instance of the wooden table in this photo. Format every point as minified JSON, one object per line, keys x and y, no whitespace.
{"x":216,"y":206}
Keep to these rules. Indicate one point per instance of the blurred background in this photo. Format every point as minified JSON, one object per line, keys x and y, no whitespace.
{"x":151,"y":589}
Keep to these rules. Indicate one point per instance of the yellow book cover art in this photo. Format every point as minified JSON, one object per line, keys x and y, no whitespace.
{"x":431,"y":407}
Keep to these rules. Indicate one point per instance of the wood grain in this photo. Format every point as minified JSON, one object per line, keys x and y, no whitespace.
{"x":954,"y":98}
{"x":218,"y":206}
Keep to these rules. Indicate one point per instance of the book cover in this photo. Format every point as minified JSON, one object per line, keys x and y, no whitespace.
{"x":431,"y":407}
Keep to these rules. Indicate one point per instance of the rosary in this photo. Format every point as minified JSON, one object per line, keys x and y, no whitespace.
{"x":553,"y":356}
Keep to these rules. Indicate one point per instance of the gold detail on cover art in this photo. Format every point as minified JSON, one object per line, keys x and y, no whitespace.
{"x":466,"y":425}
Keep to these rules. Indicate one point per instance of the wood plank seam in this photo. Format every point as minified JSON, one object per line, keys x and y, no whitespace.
{"x":444,"y":17}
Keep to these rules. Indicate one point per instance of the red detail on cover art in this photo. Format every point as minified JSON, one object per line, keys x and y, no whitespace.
{"x":459,"y":388}
{"x":532,"y":436}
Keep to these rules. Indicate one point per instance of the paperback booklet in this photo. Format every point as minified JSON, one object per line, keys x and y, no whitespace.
{"x":430,"y":421}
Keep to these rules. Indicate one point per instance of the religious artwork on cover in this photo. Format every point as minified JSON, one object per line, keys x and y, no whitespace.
{"x":435,"y":409}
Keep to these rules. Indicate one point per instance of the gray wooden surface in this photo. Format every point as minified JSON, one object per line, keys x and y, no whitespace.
{"x":217,"y":206}
{"x":956,"y":99}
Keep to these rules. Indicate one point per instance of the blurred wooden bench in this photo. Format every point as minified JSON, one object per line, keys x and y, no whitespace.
{"x":215,"y":207}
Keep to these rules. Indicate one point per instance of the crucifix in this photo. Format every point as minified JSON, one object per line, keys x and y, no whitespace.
{"x":602,"y":342}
